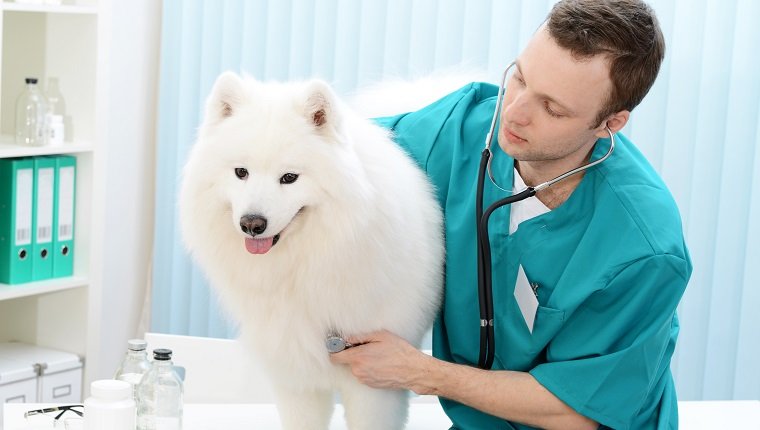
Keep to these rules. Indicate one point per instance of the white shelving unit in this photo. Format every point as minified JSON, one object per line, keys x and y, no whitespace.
{"x":60,"y":9}
{"x":8,"y":149}
{"x":58,"y":41}
{"x":31,"y":289}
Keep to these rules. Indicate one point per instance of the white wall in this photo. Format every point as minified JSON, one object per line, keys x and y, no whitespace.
{"x":132,"y":31}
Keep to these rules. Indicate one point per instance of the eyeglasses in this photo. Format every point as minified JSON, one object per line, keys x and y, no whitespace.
{"x":44,"y":419}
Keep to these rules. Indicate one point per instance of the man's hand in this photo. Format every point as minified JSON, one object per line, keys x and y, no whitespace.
{"x":384,"y":360}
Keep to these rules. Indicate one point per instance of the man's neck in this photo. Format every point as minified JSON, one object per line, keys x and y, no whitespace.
{"x":557,"y":194}
{"x":534,"y":173}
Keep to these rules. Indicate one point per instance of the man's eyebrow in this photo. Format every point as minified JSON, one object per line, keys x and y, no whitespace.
{"x":562,"y":106}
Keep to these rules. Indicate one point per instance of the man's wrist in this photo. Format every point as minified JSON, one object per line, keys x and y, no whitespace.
{"x":430,"y":377}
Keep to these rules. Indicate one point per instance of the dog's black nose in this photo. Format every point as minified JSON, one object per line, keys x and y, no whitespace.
{"x":253,"y":224}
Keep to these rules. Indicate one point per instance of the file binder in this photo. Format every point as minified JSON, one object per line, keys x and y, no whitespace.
{"x":16,"y":210}
{"x":63,"y":232}
{"x":42,"y":224}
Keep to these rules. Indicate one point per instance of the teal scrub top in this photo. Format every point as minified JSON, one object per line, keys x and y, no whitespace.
{"x":610,"y":262}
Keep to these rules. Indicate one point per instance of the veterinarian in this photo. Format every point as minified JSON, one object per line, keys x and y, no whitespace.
{"x":586,"y":275}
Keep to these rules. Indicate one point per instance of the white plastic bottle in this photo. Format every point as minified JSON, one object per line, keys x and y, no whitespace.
{"x":110,"y":406}
{"x":55,"y":130}
{"x":31,"y":114}
{"x":134,"y":365}
{"x":56,"y":111}
{"x":159,"y":405}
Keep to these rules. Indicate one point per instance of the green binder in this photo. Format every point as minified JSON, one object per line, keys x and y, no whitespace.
{"x":16,"y":211}
{"x":63,"y":231}
{"x":42,"y":226}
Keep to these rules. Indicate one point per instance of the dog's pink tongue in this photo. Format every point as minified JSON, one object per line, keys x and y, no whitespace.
{"x":258,"y":246}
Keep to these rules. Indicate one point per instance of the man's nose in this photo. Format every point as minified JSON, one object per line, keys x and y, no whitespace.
{"x":517,"y":110}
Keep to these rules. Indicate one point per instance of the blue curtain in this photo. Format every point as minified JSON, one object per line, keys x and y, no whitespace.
{"x":699,"y":126}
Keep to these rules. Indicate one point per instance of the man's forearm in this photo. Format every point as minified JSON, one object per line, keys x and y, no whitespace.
{"x":515,"y":396}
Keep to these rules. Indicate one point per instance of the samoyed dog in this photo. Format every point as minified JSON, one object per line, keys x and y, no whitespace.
{"x":309,"y":221}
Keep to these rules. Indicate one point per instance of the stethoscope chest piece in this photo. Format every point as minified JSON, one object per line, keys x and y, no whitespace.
{"x":336,"y":343}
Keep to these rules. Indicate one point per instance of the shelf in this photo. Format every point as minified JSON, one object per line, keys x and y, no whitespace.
{"x":67,"y":42}
{"x":8,"y":149}
{"x":43,"y":8}
{"x":35,"y":288}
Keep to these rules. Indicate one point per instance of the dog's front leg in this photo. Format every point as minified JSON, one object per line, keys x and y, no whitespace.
{"x":301,"y":409}
{"x":373,"y":409}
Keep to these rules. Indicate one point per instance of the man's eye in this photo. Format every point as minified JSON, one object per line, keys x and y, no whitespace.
{"x":241,"y":173}
{"x":552,"y":112}
{"x":288,"y":178}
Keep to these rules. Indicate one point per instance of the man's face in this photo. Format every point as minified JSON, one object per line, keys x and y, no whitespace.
{"x":551,"y":102}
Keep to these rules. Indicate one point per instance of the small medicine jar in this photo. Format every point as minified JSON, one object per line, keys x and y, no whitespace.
{"x":110,"y":406}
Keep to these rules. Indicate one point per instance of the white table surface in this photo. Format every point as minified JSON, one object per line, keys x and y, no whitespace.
{"x":423,"y":416}
{"x":735,"y":415}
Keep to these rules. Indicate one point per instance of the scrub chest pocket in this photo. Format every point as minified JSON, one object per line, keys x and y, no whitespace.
{"x":518,"y":348}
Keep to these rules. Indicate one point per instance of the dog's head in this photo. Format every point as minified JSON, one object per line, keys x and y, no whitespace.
{"x":268,"y":156}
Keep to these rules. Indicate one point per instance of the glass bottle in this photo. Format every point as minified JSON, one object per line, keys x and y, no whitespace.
{"x":134,"y":365}
{"x":31,"y":108}
{"x":159,"y":395}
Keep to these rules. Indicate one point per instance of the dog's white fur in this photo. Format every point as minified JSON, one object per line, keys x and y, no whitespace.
{"x":360,"y":250}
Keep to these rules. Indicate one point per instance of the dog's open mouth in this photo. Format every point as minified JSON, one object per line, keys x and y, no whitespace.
{"x":264,"y":244}
{"x":260,"y":246}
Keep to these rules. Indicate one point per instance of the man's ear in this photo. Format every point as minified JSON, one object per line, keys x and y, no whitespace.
{"x":321,"y":106}
{"x":226,"y":97}
{"x":614,"y":122}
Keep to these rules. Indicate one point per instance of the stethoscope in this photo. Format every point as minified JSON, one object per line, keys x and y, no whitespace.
{"x":336,"y":343}
{"x":485,"y":291}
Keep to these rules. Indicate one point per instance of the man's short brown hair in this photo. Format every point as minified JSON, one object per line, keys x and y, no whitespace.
{"x":626,"y":31}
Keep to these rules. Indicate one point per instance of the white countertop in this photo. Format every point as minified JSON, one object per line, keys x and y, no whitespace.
{"x":423,"y":416}
{"x":735,"y":415}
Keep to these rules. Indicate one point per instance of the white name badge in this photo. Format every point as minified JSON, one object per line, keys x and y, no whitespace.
{"x":526,"y":299}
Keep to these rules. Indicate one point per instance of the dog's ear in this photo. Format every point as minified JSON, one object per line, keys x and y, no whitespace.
{"x":226,"y":97}
{"x":321,"y":106}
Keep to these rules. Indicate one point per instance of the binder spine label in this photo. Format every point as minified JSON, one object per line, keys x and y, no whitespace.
{"x":45,"y":178}
{"x":24,"y":190}
{"x":66,"y":203}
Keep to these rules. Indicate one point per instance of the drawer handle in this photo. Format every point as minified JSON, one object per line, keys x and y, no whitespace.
{"x":63,"y":390}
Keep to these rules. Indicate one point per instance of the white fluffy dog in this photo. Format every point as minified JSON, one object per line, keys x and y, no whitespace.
{"x":310,"y":221}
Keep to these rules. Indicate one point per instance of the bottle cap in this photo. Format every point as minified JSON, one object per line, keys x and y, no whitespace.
{"x":162,"y":354}
{"x":31,"y":80}
{"x":111,"y":389}
{"x":134,"y":344}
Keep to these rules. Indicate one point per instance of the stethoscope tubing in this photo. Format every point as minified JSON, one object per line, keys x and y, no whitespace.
{"x":485,"y":290}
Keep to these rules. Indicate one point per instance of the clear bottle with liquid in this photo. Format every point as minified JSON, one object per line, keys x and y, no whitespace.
{"x":159,"y":395}
{"x":31,"y":111}
{"x":134,"y":365}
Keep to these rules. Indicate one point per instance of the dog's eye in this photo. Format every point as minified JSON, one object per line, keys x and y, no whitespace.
{"x":241,"y":173}
{"x":288,"y":178}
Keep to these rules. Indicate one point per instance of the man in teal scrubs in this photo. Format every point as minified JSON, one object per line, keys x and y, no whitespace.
{"x":602,"y":252}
